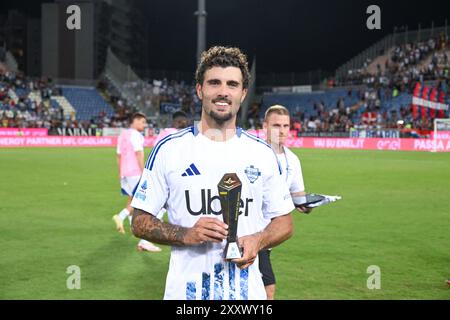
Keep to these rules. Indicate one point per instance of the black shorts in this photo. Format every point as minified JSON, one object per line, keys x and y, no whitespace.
{"x":266,"y":268}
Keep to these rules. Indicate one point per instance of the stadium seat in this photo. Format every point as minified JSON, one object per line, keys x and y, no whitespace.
{"x":87,"y":102}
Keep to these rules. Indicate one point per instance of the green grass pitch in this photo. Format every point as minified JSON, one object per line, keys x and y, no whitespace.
{"x":56,"y":208}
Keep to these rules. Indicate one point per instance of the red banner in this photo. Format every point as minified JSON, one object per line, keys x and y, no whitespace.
{"x":433,"y":98}
{"x":429,"y":99}
{"x":425,"y":92}
{"x":441,"y":113}
{"x":416,"y":94}
{"x":369,"y":117}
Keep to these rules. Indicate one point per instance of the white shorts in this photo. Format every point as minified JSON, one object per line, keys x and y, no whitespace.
{"x":128,"y":184}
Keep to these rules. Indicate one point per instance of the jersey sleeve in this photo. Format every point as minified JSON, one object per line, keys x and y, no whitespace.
{"x":276,"y":197}
{"x":137,"y":141}
{"x":297,"y":184}
{"x":152,"y":191}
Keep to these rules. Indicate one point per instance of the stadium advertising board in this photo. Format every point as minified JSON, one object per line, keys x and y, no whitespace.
{"x":440,"y":145}
{"x":170,"y":108}
{"x":65,"y":141}
{"x":384,"y":133}
{"x":441,"y":135}
{"x":58,"y":141}
{"x":79,"y":132}
{"x":23,"y":132}
{"x":111,"y":132}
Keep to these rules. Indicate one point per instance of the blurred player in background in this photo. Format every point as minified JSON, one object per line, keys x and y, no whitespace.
{"x":179,"y":121}
{"x":130,"y":159}
{"x":277,"y":127}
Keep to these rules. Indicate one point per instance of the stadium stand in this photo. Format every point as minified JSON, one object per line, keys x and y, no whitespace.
{"x":377,"y":95}
{"x":400,"y":65}
{"x":26,"y":102}
{"x":86,"y":102}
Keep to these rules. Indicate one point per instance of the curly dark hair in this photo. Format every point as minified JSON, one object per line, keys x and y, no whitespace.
{"x":219,"y":56}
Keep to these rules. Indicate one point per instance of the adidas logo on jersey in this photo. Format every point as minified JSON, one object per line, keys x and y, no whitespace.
{"x":191,"y":171}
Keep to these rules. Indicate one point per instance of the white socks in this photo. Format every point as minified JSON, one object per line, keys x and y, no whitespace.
{"x":123,"y":214}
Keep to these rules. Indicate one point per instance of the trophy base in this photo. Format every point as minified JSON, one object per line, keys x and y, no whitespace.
{"x":232,"y":251}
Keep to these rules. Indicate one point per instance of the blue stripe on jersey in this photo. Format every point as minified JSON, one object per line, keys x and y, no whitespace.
{"x":231,"y":279}
{"x":218,"y":281}
{"x":190,"y":291}
{"x":189,"y":172}
{"x":267,"y":145}
{"x":251,"y":136}
{"x":136,"y":186}
{"x":206,"y":282}
{"x":244,"y":284}
{"x":162,"y":141}
{"x":151,"y":157}
{"x":239,"y":131}
{"x":195,"y":130}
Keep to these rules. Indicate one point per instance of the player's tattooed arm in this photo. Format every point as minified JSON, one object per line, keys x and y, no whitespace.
{"x":148,"y":227}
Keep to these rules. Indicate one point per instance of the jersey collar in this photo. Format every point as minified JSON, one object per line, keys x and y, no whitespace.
{"x":196,"y":132}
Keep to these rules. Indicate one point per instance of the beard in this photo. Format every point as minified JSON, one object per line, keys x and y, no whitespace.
{"x":220,"y":118}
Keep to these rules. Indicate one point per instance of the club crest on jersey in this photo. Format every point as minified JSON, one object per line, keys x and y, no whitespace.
{"x":252,"y":173}
{"x":141,"y":196}
{"x":142,"y":191}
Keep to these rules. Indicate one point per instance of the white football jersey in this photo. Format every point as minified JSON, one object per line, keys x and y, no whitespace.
{"x":291,"y":173}
{"x":182,"y":173}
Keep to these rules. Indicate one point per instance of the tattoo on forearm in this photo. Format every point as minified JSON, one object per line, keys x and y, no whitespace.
{"x":148,"y":227}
